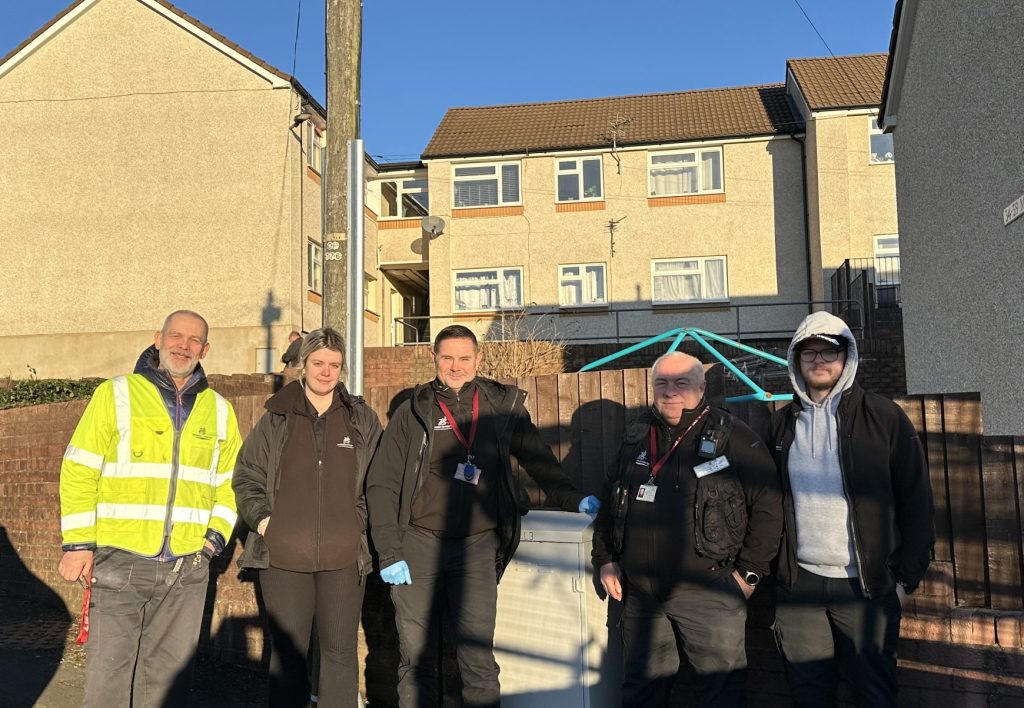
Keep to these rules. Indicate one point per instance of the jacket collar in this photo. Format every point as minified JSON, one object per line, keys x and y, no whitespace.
{"x":497,"y":395}
{"x":148,"y":365}
{"x":292,"y":399}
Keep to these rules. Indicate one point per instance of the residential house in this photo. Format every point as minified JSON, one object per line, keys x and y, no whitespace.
{"x":728,"y":209}
{"x":151,"y":164}
{"x":952,"y":106}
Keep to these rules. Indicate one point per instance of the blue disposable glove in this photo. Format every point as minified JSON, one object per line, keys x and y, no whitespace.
{"x":396,"y":574}
{"x":589,"y":505}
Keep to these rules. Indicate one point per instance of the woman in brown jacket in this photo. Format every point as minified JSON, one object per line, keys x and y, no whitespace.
{"x":299,"y":483}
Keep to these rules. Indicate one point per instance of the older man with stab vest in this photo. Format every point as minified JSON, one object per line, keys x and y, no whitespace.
{"x":146,"y":502}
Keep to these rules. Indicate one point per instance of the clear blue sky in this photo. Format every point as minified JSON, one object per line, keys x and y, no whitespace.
{"x":421,"y":58}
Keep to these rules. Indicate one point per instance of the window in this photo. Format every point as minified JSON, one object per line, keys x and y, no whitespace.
{"x":491,"y":289}
{"x":685,"y":172}
{"x":486,"y":185}
{"x":370,"y":293}
{"x":315,"y":267}
{"x":881,"y":144}
{"x":581,"y":285}
{"x":314,"y":147}
{"x":684,"y":280}
{"x":403,"y":199}
{"x":887,"y":259}
{"x":578,"y":179}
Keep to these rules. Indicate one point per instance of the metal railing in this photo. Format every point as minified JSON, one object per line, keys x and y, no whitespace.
{"x":874,"y":283}
{"x":613,"y":325}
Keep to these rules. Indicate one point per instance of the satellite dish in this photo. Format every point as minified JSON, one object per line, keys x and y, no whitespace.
{"x":433,"y":225}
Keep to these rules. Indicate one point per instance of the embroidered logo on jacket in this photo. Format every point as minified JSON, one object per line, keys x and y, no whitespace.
{"x":345,"y":442}
{"x":641,"y":459}
{"x":442,"y":424}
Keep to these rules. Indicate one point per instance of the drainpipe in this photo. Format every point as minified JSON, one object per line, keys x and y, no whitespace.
{"x":807,"y":218}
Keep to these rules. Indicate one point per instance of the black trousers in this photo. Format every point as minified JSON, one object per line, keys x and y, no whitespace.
{"x":706,"y":623}
{"x":457,"y":577}
{"x":332,"y":599}
{"x":824,"y":624}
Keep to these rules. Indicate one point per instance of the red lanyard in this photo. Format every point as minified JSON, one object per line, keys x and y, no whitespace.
{"x":658,"y":462}
{"x":468,"y":444}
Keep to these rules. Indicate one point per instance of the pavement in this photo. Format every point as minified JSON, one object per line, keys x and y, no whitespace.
{"x":41,"y":666}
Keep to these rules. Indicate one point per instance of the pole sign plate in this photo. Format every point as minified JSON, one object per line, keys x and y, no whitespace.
{"x":1013,"y":211}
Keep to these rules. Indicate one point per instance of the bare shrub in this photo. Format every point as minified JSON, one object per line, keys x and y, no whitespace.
{"x":520,"y":344}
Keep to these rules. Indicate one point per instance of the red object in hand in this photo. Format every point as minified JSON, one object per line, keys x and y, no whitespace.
{"x":83,"y":627}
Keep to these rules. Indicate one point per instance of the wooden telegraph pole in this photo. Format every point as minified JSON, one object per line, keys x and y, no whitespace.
{"x":344,"y":48}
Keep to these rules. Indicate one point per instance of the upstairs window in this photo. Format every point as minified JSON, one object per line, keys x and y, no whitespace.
{"x":488,"y":289}
{"x":578,"y":179}
{"x":486,"y":185}
{"x":686,"y":280}
{"x":582,"y":285}
{"x":685,"y":172}
{"x":880,"y":144}
{"x":887,"y":259}
{"x":404,"y":199}
{"x":314,"y":147}
{"x":315,"y":267}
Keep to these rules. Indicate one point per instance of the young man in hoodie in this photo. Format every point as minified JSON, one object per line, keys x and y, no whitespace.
{"x":444,"y":515}
{"x":146,"y":502}
{"x":858,"y":530}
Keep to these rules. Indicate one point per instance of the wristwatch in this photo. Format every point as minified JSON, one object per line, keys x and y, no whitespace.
{"x":749,"y":577}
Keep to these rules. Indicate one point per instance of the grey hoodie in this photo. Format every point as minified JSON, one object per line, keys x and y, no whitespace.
{"x":824,"y":541}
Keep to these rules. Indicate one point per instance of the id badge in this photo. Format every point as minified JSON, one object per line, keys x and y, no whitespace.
{"x":647,"y":492}
{"x":716,"y":465}
{"x":468,"y":472}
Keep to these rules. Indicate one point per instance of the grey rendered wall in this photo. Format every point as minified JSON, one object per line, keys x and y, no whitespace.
{"x":959,"y":161}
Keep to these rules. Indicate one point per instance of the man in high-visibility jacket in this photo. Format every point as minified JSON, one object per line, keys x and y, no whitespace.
{"x":146,"y":502}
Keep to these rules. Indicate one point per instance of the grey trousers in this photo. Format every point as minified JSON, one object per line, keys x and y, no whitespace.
{"x":706,"y":623}
{"x":144,"y":627}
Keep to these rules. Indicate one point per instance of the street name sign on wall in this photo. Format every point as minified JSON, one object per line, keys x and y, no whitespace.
{"x":1013,"y":211}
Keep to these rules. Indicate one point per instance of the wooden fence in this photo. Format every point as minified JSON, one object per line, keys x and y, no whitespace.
{"x":977,"y":481}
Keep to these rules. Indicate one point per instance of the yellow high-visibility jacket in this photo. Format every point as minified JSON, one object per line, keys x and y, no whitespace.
{"x":128,"y":479}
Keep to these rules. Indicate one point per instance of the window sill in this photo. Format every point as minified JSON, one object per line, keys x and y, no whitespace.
{"x":477,"y":212}
{"x":598,"y":309}
{"x":371,"y":315}
{"x":313,"y":175}
{"x":872,"y":163}
{"x":469,"y":314}
{"x":390,"y":222}
{"x":563,"y":207}
{"x":314,"y":297}
{"x":701,"y":306}
{"x":682,"y":200}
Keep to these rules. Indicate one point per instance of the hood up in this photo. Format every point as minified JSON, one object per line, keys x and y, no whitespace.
{"x":822,"y":324}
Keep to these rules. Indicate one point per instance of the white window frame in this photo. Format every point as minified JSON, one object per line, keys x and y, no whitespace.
{"x":499,"y":273}
{"x":314,"y":265}
{"x":583,"y":268}
{"x":696,"y":152}
{"x":874,"y":130}
{"x":370,"y":294}
{"x":578,"y":171}
{"x":476,"y":178}
{"x":401,"y":191}
{"x":314,"y":147}
{"x":700,"y":271}
{"x":887,"y":253}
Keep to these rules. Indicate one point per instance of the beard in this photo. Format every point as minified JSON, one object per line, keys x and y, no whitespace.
{"x":182,"y":371}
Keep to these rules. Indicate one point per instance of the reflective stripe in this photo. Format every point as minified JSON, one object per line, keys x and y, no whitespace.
{"x":224,"y":477}
{"x":139,"y":470}
{"x":133,"y":512}
{"x":82,"y":520}
{"x":200,"y":475}
{"x":123,"y":413}
{"x":223,"y":512}
{"x":83,"y":457}
{"x":190,"y":515}
{"x":222,"y":428}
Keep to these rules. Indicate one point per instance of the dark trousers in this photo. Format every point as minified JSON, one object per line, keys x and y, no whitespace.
{"x":824,"y":624}
{"x":144,"y":627}
{"x":333,"y":599}
{"x":456,"y":576}
{"x":705,"y":623}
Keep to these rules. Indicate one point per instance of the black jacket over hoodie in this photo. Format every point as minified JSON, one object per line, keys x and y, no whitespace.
{"x":259,"y":463}
{"x":885,"y":477}
{"x":398,"y":469}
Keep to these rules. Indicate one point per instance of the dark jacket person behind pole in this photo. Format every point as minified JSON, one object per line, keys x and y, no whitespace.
{"x":444,"y":515}
{"x":690,"y":519}
{"x":299,"y":485}
{"x":858,"y":522}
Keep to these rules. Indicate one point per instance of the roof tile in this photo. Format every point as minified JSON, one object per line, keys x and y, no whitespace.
{"x":840,"y":82}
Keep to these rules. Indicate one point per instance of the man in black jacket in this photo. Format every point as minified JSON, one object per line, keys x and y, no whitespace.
{"x":444,"y":515}
{"x":690,"y":519}
{"x":858,"y":522}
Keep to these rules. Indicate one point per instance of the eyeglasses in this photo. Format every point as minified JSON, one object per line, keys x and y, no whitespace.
{"x":827,"y":355}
